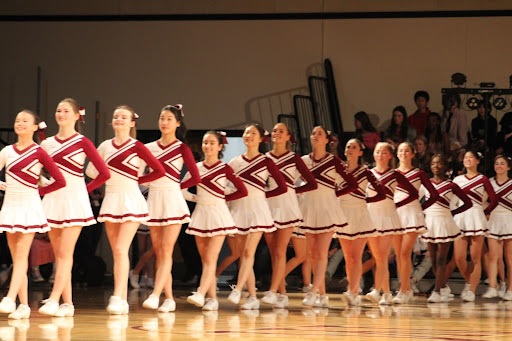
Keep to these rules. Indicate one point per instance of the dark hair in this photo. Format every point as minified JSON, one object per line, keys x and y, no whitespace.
{"x":181,"y":131}
{"x":404,"y":127}
{"x":339,"y":148}
{"x":133,"y":130}
{"x":362,"y":147}
{"x":506,"y":158}
{"x":219,"y":137}
{"x":37,"y":120}
{"x":76,"y":109}
{"x":475,"y":153}
{"x":436,"y":131}
{"x":442,"y":157}
{"x":409,"y":144}
{"x":421,"y":93}
{"x":365,"y":122}
{"x":263,"y":144}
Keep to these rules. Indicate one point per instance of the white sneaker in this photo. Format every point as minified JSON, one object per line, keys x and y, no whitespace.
{"x":134,"y":280}
{"x":196,"y":299}
{"x":22,"y":312}
{"x":350,"y":299}
{"x":151,"y":302}
{"x":310,"y":299}
{"x":65,"y":310}
{"x":490,"y":293}
{"x":502,"y":289}
{"x":508,"y":295}
{"x":251,"y":303}
{"x":400,"y":298}
{"x":373,"y":296}
{"x":322,"y":301}
{"x":435,"y":297}
{"x":7,"y":305}
{"x":117,"y":306}
{"x":414,"y":287}
{"x":386,"y":299}
{"x":282,"y":302}
{"x":49,"y":307}
{"x":168,"y":306}
{"x":446,"y":291}
{"x":307,"y":288}
{"x":269,"y":298}
{"x":211,"y":304}
{"x":235,"y":295}
{"x":468,"y":296}
{"x":467,"y":286}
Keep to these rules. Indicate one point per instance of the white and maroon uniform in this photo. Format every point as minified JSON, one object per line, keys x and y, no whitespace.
{"x":22,"y":210}
{"x":441,"y":227}
{"x":285,"y":207}
{"x":211,"y":215}
{"x":123,"y":200}
{"x":166,"y":204}
{"x":383,"y":212}
{"x":500,"y":221}
{"x":70,"y":206}
{"x":320,"y":207}
{"x":411,"y":215}
{"x":252,"y":213}
{"x":354,"y":206}
{"x":472,"y":222}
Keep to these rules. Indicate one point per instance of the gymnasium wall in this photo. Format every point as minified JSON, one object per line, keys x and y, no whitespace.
{"x":227,"y":72}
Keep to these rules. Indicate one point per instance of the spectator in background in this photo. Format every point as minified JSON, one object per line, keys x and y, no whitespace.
{"x":366,"y":132}
{"x":418,"y":120}
{"x":334,"y":146}
{"x":421,"y":158}
{"x":478,"y":129}
{"x":455,"y":124}
{"x":399,"y":127}
{"x":505,"y":135}
{"x":438,"y":141}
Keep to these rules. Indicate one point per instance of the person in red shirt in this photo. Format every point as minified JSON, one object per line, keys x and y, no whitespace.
{"x":418,"y":120}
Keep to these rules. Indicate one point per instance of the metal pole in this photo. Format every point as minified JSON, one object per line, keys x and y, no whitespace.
{"x":97,"y":124}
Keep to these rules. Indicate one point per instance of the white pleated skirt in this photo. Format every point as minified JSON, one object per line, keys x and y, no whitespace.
{"x":412,"y":218}
{"x":167,"y":207}
{"x":360,"y":224}
{"x":384,"y":217}
{"x":210,"y":220}
{"x":321,"y":211}
{"x":500,"y":225}
{"x":69,"y":206}
{"x":252,"y":214}
{"x":441,"y":227}
{"x":23,"y":212}
{"x":472,"y":222}
{"x":285,"y":210}
{"x":123,"y":203}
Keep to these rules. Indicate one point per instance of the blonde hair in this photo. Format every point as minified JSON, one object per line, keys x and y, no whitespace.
{"x":76,"y":109}
{"x":133,"y":130}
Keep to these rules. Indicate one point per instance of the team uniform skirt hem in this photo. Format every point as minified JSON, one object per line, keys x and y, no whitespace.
{"x":167,"y":207}
{"x":211,"y":220}
{"x":441,"y":228}
{"x":472,"y":222}
{"x":285,"y":210}
{"x":23,"y":212}
{"x":385,"y":219}
{"x":252,"y":214}
{"x":500,"y":226}
{"x":321,"y":212}
{"x":71,"y":222}
{"x":297,"y":233}
{"x":120,"y":207}
{"x":359,"y":223}
{"x":412,"y":218}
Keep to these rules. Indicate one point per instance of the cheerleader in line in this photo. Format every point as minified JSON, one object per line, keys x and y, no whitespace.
{"x":124,"y":206}
{"x":211,"y":220}
{"x":411,"y":217}
{"x":441,"y":226}
{"x":69,"y":209}
{"x":22,"y":213}
{"x":472,"y":223}
{"x":285,"y":209}
{"x":166,"y":205}
{"x":500,"y":227}
{"x":322,"y":215}
{"x":252,"y":214}
{"x":385,"y":218}
{"x":353,"y":237}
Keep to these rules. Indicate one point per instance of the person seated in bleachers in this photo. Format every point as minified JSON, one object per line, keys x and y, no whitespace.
{"x":399,"y":127}
{"x":366,"y":132}
{"x":455,"y":124}
{"x":418,"y":120}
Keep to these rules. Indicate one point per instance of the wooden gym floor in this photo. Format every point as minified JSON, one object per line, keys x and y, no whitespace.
{"x":481,"y":320}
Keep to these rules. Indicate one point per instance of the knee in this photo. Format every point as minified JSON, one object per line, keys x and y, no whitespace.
{"x":247,"y":254}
